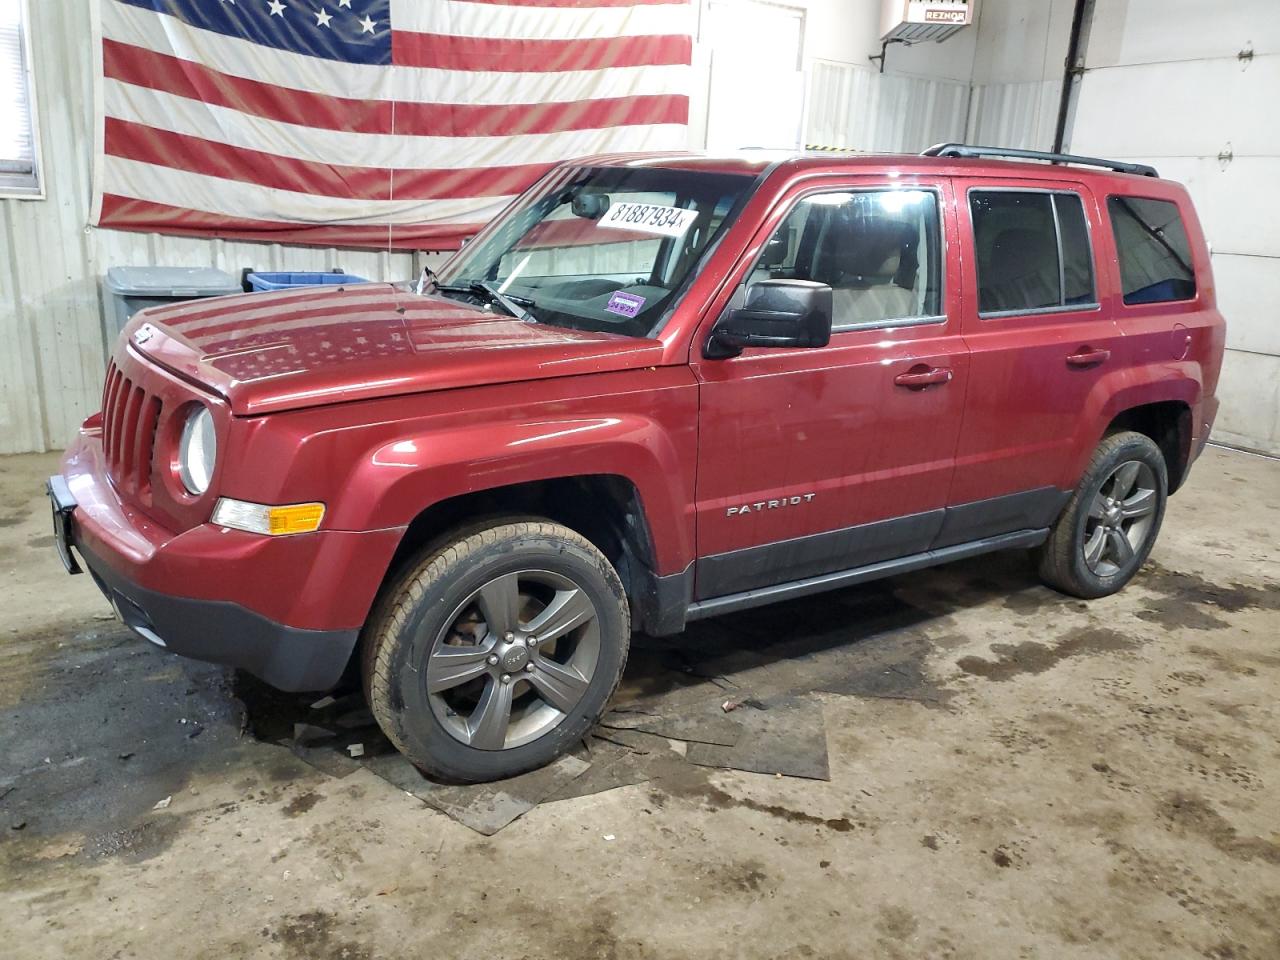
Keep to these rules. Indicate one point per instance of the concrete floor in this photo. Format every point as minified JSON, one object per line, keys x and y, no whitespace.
{"x":1013,"y":774}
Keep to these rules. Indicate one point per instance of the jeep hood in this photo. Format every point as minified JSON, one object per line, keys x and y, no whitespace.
{"x":267,"y":352}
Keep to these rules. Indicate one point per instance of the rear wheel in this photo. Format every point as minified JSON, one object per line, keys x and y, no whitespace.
{"x":1109,"y":526}
{"x":498,"y":651}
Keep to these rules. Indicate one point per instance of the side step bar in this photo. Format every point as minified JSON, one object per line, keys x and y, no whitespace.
{"x":702,"y":609}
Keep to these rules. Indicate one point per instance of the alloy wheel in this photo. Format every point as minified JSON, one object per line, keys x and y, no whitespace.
{"x":1121,"y":518}
{"x":513,"y":659}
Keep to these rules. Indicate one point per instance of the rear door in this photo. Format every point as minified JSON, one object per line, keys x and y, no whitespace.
{"x":1039,"y":342}
{"x":815,"y":460}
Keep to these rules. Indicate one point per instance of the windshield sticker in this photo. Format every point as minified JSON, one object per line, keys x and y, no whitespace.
{"x":651,"y":218}
{"x":626,"y":304}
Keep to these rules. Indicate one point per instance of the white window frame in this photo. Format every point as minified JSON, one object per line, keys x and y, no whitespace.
{"x":27,"y":186}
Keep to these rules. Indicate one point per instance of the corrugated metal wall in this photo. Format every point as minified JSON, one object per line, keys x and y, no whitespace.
{"x":52,"y":350}
{"x":1022,"y":115}
{"x":855,"y":108}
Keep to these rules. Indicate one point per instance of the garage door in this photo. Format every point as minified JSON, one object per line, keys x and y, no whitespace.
{"x":1191,"y":87}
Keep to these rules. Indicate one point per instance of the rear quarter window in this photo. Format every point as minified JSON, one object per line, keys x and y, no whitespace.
{"x":1155,"y":255}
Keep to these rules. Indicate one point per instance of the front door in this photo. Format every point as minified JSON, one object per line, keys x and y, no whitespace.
{"x":825,"y":459}
{"x":1040,"y":343}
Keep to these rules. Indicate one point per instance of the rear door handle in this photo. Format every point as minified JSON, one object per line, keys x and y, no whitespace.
{"x":917,"y":379}
{"x":1088,"y":357}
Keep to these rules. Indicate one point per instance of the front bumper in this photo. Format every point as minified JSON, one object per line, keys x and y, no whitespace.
{"x":220,"y":632}
{"x":286,"y":609}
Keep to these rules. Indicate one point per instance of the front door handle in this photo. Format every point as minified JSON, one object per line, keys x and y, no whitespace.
{"x":917,"y":378}
{"x":1088,"y":357}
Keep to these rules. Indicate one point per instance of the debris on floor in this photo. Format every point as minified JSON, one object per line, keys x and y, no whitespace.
{"x":484,"y":807}
{"x":784,"y":737}
{"x":613,"y":765}
{"x":685,"y":723}
{"x":701,"y":725}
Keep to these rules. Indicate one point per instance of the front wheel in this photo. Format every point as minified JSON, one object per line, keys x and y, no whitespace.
{"x":1110,"y":524}
{"x":498,"y":651}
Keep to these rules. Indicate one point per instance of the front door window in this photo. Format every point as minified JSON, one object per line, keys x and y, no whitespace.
{"x":878,"y":250}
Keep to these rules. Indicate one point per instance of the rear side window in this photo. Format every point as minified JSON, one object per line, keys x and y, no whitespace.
{"x":1155,"y":256}
{"x":1033,"y":251}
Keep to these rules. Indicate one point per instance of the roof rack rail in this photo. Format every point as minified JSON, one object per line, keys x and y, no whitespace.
{"x":965,"y":150}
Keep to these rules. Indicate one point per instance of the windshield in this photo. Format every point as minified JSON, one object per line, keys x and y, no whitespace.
{"x":604,"y":249}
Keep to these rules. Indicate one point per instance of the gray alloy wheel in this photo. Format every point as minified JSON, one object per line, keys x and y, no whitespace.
{"x":1108,"y":527}
{"x":496,"y":649}
{"x":1121,"y":517}
{"x":513,"y":659}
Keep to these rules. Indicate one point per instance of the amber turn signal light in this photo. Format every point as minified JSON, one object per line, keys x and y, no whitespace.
{"x":274,"y":521}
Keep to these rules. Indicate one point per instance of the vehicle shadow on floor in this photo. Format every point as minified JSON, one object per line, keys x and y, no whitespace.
{"x":867,"y":640}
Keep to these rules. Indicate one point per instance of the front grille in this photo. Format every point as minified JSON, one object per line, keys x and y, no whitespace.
{"x":129,"y":418}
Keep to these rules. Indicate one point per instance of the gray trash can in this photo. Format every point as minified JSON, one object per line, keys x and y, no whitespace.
{"x":130,"y":289}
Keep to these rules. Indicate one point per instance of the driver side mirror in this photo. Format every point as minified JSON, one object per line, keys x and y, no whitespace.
{"x":776,"y":313}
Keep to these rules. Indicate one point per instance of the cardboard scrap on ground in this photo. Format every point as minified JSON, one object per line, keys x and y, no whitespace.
{"x":484,"y":807}
{"x":703,"y":724}
{"x":613,"y":765}
{"x":788,"y":737}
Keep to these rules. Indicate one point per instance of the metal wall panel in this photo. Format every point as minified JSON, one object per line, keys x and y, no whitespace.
{"x":854,"y":108}
{"x":1022,"y":115}
{"x":49,"y":310}
{"x":51,"y":263}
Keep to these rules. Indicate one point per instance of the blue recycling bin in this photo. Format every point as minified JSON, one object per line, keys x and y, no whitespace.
{"x":305,"y":278}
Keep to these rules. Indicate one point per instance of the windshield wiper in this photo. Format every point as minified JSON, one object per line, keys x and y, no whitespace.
{"x":485,"y":289}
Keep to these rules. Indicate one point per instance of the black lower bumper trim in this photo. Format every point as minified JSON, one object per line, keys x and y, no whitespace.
{"x":288,"y":658}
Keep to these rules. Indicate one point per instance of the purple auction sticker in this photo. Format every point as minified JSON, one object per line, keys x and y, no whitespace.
{"x":627,"y":304}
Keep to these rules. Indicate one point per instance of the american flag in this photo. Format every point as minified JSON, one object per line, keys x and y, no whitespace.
{"x":381,"y":123}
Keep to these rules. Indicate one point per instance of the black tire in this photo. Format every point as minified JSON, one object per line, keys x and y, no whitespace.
{"x":420,"y":616}
{"x":1062,"y":559}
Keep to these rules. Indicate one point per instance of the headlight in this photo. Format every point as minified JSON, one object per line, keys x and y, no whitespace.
{"x":197,"y":451}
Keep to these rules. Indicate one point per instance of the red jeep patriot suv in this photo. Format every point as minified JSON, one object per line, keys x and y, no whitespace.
{"x":655,"y":389}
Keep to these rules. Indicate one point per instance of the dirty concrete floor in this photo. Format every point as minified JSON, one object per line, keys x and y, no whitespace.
{"x":1013,"y":774}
